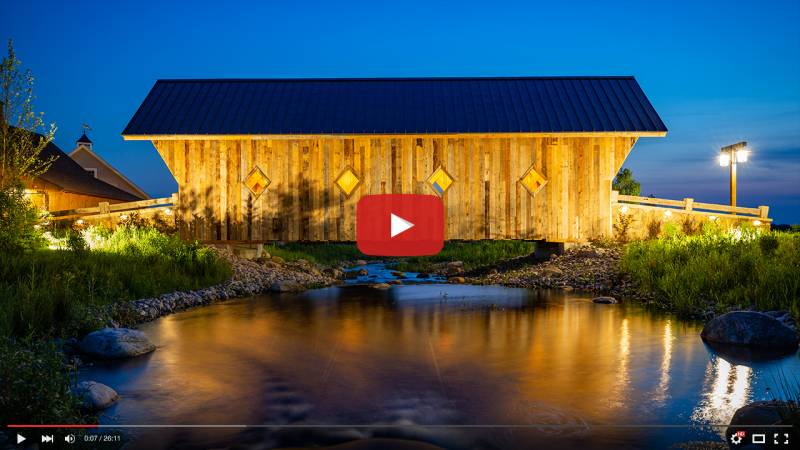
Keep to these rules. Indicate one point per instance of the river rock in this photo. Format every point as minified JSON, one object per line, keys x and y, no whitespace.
{"x":456,"y":280}
{"x":552,"y":272}
{"x":351,"y":274}
{"x":287,"y":286}
{"x":423,"y":275}
{"x":750,"y":328}
{"x":361,"y":262}
{"x":394,"y":282}
{"x":397,"y":273}
{"x":380,"y":286}
{"x":604,"y":300}
{"x":363,"y":272}
{"x":116,"y":343}
{"x":277,"y":260}
{"x":333,"y":273}
{"x":768,"y":412}
{"x":95,"y":396}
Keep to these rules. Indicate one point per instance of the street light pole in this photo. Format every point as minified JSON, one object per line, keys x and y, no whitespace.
{"x":731,"y":155}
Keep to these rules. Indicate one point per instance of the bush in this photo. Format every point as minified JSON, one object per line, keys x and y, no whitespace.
{"x":34,"y":385}
{"x":19,"y":228}
{"x":718,"y":270}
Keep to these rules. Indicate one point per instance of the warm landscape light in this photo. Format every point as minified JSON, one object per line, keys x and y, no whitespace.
{"x":79,"y":222}
{"x":623,"y":209}
{"x":757,"y":223}
{"x":667,"y":214}
{"x":168,"y":212}
{"x":123,"y":217}
{"x":712,"y":218}
{"x":724,"y":159}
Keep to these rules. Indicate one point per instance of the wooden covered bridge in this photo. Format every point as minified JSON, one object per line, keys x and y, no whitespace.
{"x":288,"y":159}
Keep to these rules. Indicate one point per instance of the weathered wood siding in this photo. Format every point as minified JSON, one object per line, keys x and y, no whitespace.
{"x":486,"y":201}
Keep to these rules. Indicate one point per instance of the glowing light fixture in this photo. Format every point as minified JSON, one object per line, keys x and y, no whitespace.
{"x":623,"y":209}
{"x":757,"y":223}
{"x":712,"y":218}
{"x":730,"y":156}
{"x":79,"y":222}
{"x":168,"y":212}
{"x":667,"y":214}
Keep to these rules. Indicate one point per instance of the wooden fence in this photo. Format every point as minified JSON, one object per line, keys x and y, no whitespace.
{"x":647,"y":215}
{"x":105,"y":212}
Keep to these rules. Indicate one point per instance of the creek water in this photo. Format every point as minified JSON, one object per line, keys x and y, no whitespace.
{"x":456,"y":366}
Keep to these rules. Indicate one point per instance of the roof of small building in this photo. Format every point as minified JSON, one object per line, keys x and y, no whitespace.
{"x":395,"y":106}
{"x":70,"y":176}
{"x":84,"y":139}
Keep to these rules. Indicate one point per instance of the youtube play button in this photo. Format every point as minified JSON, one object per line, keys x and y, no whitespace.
{"x":400,"y":225}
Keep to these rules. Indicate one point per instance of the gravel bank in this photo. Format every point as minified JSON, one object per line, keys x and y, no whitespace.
{"x":586,"y":268}
{"x":249,"y":278}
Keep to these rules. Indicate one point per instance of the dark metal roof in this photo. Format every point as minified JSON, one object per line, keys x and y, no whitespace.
{"x":70,"y":176}
{"x":84,"y":139}
{"x":395,"y":106}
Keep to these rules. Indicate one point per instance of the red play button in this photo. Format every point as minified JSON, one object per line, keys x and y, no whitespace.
{"x":400,"y":225}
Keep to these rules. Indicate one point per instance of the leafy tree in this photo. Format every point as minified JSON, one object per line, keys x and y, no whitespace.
{"x":626,"y":184}
{"x":23,"y":134}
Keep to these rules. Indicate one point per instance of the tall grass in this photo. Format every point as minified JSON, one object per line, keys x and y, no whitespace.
{"x":53,"y":292}
{"x":716,"y":270}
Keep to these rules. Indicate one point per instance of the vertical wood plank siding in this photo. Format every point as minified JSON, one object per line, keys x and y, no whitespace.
{"x":486,"y":199}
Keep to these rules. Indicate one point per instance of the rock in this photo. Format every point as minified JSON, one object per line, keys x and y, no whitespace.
{"x":116,"y":343}
{"x":351,"y":274}
{"x":492,"y":271}
{"x":398,"y":274}
{"x":750,"y":328}
{"x":552,"y":272}
{"x":455,"y":264}
{"x":95,"y":396}
{"x":768,"y":412}
{"x":567,"y":288}
{"x":270,"y":265}
{"x":605,"y":300}
{"x":423,"y":275}
{"x":456,"y":280}
{"x":395,"y":282}
{"x":333,"y":273}
{"x":785,"y":317}
{"x":363,"y":272}
{"x":287,"y":286}
{"x":361,"y":262}
{"x":380,"y":286}
{"x":277,"y":260}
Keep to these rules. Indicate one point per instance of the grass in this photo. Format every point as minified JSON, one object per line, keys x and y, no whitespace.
{"x":716,"y":270}
{"x":51,"y":293}
{"x":473,"y":254}
{"x":327,"y":254}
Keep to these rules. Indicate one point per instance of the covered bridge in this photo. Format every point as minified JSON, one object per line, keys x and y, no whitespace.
{"x":288,"y":159}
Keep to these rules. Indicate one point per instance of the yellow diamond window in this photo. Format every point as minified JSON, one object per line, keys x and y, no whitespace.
{"x":533,"y":181}
{"x":257,"y":182}
{"x":348,"y":181}
{"x":440,"y":181}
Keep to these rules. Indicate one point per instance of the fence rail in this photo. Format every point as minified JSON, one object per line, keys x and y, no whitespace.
{"x":105,"y":210}
{"x":689,"y":206}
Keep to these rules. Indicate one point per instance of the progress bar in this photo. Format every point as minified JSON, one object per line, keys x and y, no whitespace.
{"x":372,"y":425}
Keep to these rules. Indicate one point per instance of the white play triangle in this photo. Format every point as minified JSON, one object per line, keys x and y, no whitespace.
{"x":399,"y":225}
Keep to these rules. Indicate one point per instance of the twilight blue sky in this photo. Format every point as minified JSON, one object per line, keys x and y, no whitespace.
{"x":717,"y":72}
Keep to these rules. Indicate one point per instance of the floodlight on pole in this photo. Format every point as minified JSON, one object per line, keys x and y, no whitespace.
{"x":730,"y":156}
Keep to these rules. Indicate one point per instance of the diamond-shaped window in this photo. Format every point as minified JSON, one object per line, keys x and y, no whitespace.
{"x":348,"y":181}
{"x":533,"y":181}
{"x":440,"y":180}
{"x":257,"y":181}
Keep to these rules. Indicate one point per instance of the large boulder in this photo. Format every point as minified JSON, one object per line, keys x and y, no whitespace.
{"x":95,"y":396}
{"x":110,"y":343}
{"x":604,"y":300}
{"x":750,"y":328}
{"x":287,"y":286}
{"x":765,"y":413}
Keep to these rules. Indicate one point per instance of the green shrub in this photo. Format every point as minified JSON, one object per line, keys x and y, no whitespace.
{"x":718,"y":270}
{"x":34,"y":385}
{"x":19,"y":229}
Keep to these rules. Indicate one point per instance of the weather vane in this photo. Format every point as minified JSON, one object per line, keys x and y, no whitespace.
{"x":86,"y":127}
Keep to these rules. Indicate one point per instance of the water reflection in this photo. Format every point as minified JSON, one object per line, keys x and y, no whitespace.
{"x":425,"y":355}
{"x":729,"y":390}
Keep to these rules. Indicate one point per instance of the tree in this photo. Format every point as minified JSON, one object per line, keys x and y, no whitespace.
{"x":626,"y":184}
{"x":23,"y":134}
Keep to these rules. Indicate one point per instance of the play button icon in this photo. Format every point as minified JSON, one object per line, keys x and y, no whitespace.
{"x":20,"y":438}
{"x":400,"y":225}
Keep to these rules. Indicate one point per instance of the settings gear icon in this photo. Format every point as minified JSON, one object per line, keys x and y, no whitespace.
{"x":736,"y":439}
